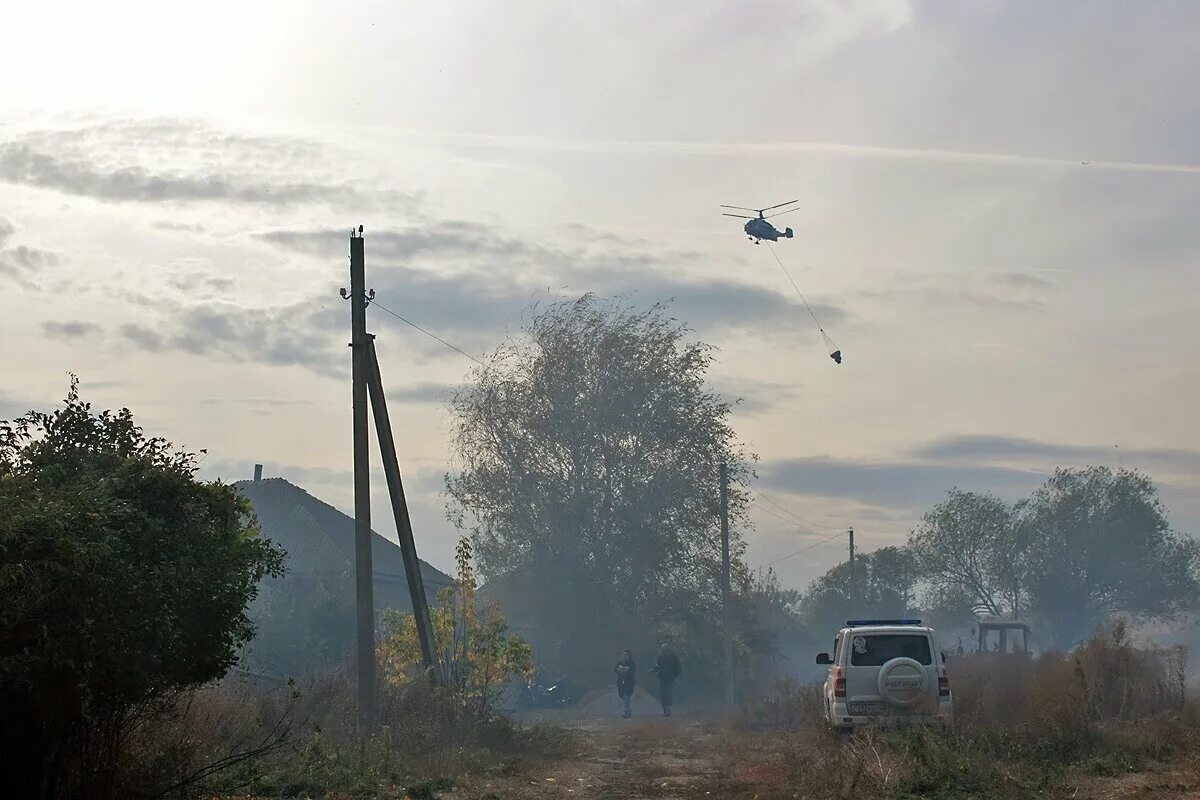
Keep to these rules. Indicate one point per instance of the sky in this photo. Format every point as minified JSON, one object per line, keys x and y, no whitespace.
{"x":995,"y":224}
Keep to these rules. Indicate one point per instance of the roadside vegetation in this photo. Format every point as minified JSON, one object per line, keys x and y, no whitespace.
{"x":1022,"y":728}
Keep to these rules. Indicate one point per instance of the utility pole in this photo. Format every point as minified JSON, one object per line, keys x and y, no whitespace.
{"x":726,"y":589}
{"x":408,"y":546}
{"x":853,"y":577}
{"x":364,"y":573}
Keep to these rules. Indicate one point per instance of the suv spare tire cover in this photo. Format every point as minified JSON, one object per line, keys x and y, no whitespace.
{"x":902,"y":682}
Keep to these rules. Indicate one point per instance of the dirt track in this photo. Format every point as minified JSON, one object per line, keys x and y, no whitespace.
{"x":615,"y":759}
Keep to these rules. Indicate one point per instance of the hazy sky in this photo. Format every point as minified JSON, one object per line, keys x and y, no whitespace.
{"x":997,"y":226}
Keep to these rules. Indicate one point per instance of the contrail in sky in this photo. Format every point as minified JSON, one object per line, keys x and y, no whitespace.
{"x":668,"y":147}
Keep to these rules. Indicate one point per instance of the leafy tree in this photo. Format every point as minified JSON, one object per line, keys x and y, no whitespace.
{"x":970,"y":547}
{"x":476,"y":652}
{"x":589,"y":451}
{"x":880,"y":585}
{"x":1100,"y":545}
{"x":123,"y":579}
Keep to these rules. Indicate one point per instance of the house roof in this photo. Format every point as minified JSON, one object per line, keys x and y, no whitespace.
{"x":320,"y":539}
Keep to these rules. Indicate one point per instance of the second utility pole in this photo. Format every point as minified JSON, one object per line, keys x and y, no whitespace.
{"x":726,"y":589}
{"x":853,"y":577}
{"x":363,"y":571}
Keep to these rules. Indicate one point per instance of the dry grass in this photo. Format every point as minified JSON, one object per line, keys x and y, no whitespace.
{"x":1023,"y":728}
{"x":248,"y":739}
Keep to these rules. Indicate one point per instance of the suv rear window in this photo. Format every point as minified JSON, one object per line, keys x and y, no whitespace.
{"x":876,"y":649}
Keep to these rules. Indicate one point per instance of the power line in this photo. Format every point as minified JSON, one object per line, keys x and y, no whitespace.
{"x":789,"y":512}
{"x":789,"y":522}
{"x":427,"y":333}
{"x":801,"y":550}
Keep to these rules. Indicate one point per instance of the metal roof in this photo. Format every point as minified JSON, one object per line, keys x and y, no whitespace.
{"x":319,"y":539}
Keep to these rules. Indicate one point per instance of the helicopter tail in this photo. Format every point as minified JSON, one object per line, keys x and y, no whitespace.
{"x":788,"y":233}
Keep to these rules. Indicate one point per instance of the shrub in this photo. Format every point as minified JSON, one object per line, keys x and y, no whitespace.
{"x":123,"y":581}
{"x":478,"y":657}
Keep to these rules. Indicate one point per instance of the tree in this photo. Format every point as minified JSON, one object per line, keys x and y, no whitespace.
{"x":123,"y":579}
{"x":1100,"y":545}
{"x":880,"y":586}
{"x":476,"y":653}
{"x":970,"y":547}
{"x":589,"y":453}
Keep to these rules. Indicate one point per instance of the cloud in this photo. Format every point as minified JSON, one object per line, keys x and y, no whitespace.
{"x":294,"y":335}
{"x":185,"y":227}
{"x":981,"y":287}
{"x":190,"y":283}
{"x":753,"y":397}
{"x":1009,"y":467}
{"x":461,"y":239}
{"x":422,"y":393}
{"x":170,"y":160}
{"x":144,"y":338}
{"x":13,"y":406}
{"x":263,"y":402}
{"x":22,"y":262}
{"x":907,"y":485}
{"x":71,"y":330}
{"x":1025,"y":280}
{"x":1011,"y":449}
{"x":21,"y":163}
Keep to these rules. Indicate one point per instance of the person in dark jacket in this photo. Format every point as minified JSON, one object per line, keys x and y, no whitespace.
{"x":626,"y":670}
{"x":667,"y":668}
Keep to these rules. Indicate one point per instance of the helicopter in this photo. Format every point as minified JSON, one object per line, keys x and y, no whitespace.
{"x":758,"y":228}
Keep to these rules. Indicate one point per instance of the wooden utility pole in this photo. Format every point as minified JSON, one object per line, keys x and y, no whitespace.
{"x":364,"y":572}
{"x":853,"y":577}
{"x":408,"y":546}
{"x":726,"y":588}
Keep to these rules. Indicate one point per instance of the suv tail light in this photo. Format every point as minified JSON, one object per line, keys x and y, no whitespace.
{"x":943,"y":686}
{"x":839,"y":683}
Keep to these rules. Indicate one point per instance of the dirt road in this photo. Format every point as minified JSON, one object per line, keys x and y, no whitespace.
{"x":609,"y":758}
{"x":612,"y":758}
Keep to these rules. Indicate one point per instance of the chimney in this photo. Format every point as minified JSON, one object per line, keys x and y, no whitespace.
{"x":257,"y":473}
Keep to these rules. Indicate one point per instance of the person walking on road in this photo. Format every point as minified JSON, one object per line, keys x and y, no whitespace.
{"x":667,"y":668}
{"x":626,"y":670}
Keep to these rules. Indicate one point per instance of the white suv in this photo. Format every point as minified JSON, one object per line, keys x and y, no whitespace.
{"x":885,"y":671}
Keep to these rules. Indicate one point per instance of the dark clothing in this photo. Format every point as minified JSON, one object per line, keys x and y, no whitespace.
{"x":627,"y":678}
{"x":668,"y":669}
{"x":666,"y":694}
{"x":667,"y":666}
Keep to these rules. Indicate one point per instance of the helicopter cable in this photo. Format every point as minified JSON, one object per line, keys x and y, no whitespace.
{"x":828,"y":339}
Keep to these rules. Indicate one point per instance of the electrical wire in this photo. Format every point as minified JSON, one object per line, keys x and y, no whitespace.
{"x":427,"y":333}
{"x":790,"y":513}
{"x":799,"y":528}
{"x":801,"y":550}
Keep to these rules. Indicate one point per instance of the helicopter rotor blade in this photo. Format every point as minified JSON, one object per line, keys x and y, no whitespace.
{"x":740,"y":208}
{"x":781,"y":205}
{"x":739,"y":216}
{"x":781,"y":213}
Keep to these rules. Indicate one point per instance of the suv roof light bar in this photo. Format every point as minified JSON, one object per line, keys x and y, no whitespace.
{"x":860,"y":623}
